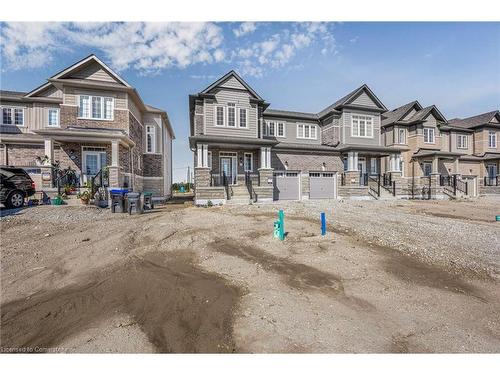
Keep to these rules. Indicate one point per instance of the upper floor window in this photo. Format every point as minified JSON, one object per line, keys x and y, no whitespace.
{"x":362,"y":126}
{"x":271,"y":129}
{"x":243,"y":117}
{"x":96,"y":107}
{"x":402,"y":136}
{"x":492,"y":139}
{"x":306,"y":131}
{"x":429,"y":135}
{"x":231,"y":115}
{"x":150,"y":138}
{"x":53,"y":117}
{"x":219,"y":116}
{"x":12,"y":116}
{"x":461,"y":141}
{"x":281,"y":129}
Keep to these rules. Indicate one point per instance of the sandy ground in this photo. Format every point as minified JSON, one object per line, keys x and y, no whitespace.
{"x":394,"y":276}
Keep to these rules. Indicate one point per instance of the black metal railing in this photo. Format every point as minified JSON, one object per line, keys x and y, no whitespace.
{"x":342,"y":179}
{"x":491,"y":181}
{"x":387,"y":179}
{"x":454,"y":184}
{"x":249,"y":184}
{"x":460,"y":185}
{"x":64,"y":178}
{"x":363,"y":179}
{"x":221,"y":180}
{"x":374,"y":184}
{"x":101,"y":179}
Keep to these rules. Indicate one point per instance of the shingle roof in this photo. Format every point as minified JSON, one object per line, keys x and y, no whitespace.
{"x":420,"y":115}
{"x":398,"y":113}
{"x":12,"y":93}
{"x":473,"y":121}
{"x":284,"y":113}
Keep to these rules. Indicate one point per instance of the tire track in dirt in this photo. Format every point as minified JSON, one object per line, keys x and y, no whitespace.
{"x":181,"y":308}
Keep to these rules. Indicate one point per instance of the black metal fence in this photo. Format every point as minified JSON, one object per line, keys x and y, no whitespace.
{"x":491,"y":181}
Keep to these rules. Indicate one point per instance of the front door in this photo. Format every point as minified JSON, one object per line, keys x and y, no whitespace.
{"x":228,"y":167}
{"x":93,"y":161}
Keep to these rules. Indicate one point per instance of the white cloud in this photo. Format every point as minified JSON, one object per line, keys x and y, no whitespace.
{"x":244,"y":29}
{"x":146,"y":47}
{"x":354,"y":40}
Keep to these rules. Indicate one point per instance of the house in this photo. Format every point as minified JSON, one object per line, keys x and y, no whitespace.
{"x":90,"y":119}
{"x":445,"y":158}
{"x":245,"y":150}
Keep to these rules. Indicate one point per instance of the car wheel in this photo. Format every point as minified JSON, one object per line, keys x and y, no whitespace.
{"x":16,"y":199}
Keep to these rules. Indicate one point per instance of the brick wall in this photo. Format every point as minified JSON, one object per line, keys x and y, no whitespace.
{"x":24,"y":155}
{"x":69,"y":117}
{"x":304,"y":161}
{"x":135,"y":131}
{"x":152,"y":165}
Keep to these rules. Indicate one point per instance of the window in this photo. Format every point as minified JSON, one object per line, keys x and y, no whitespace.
{"x":306,"y":131}
{"x":362,"y":126}
{"x":53,"y":117}
{"x":427,"y":169}
{"x":264,"y":128}
{"x":281,"y":129}
{"x":96,"y":107}
{"x":12,"y":116}
{"x":492,"y":139}
{"x":243,"y":118}
{"x":231,"y":115}
{"x":428,"y":135}
{"x":461,"y":141}
{"x":270,"y":131}
{"x":150,"y":138}
{"x":402,"y":136}
{"x":248,"y":162}
{"x":219,"y":116}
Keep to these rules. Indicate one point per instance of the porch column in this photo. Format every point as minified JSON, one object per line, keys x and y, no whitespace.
{"x":205,"y":156}
{"x":352,"y":161}
{"x":199,"y":155}
{"x":435,"y":165}
{"x":113,"y":169}
{"x":456,"y":169}
{"x":265,"y":157}
{"x":49,"y":149}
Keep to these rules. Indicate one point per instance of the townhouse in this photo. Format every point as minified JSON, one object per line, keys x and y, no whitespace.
{"x":88,"y":118}
{"x":245,"y":150}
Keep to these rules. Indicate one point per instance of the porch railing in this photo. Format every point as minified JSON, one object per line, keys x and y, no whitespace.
{"x":65,"y":177}
{"x":249,"y":184}
{"x":454,"y":184}
{"x":363,"y":179}
{"x":491,"y":181}
{"x":221,"y":180}
{"x":374,"y":184}
{"x":101,"y":179}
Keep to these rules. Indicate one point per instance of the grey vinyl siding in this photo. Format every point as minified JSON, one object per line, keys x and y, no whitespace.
{"x":364,"y":100}
{"x":291,"y":131}
{"x":36,"y":115}
{"x":242,"y":100}
{"x":93,"y":72}
{"x":51,"y":92}
{"x":233,"y":83}
{"x":346,"y":137}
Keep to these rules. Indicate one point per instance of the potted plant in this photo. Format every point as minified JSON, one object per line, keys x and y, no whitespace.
{"x":67,"y":189}
{"x":84,"y":196}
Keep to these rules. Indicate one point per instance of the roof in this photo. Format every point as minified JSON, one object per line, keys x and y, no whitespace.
{"x":230,"y":140}
{"x":423,"y":152}
{"x":474,"y":121}
{"x":294,"y":114}
{"x":4,"y":93}
{"x":399,"y":113}
{"x":226,"y":76}
{"x":369,"y":148}
{"x":305,"y":147}
{"x":344,"y":100}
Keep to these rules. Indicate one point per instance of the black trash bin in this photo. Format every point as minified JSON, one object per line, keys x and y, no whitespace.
{"x":118,"y":200}
{"x":134,"y":203}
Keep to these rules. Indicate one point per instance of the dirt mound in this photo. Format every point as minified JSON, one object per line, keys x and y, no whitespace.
{"x":179,"y":307}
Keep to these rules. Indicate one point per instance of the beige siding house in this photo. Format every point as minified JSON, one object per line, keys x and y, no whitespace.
{"x":88,"y":118}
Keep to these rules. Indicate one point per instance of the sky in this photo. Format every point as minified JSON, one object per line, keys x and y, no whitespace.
{"x":295,"y":66}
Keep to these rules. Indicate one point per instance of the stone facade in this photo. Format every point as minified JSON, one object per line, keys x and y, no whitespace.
{"x":23,"y":155}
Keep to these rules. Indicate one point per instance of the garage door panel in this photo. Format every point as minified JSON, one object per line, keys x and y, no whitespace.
{"x":286,"y":185}
{"x":322,"y":185}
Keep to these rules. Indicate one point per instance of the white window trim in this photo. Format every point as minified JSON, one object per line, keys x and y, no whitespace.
{"x":103,"y":107}
{"x":153,"y":139}
{"x":284,"y":129}
{"x":223,"y":116}
{"x":399,"y":136}
{"x":433,"y":135}
{"x":13,"y":108}
{"x":57,"y":118}
{"x":239,"y":118}
{"x":268,"y":126}
{"x":310,"y":126}
{"x":366,"y":117}
{"x":251,"y":162}
{"x":490,"y":137}
{"x":466,"y":141}
{"x":264,"y":128}
{"x":209,"y":159}
{"x":235,"y":115}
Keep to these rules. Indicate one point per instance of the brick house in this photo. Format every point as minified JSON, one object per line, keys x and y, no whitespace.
{"x":245,"y":150}
{"x":88,"y":118}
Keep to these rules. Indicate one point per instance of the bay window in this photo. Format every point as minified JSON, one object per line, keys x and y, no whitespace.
{"x":492,"y":139}
{"x":96,"y":107}
{"x":231,"y":115}
{"x":362,"y":126}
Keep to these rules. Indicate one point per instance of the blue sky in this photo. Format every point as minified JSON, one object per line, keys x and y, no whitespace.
{"x":295,"y":66}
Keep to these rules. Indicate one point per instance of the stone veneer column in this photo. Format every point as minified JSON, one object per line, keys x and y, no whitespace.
{"x":114,"y":168}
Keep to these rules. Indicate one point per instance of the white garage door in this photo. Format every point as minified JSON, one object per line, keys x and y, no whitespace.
{"x":322,"y":185}
{"x":286,"y":185}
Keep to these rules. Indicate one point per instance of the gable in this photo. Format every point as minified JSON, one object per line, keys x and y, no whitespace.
{"x":430,"y":120}
{"x":410,"y":114}
{"x":92,"y":71}
{"x":495,"y":119}
{"x":50,"y":92}
{"x":232,"y":83}
{"x":363,"y":99}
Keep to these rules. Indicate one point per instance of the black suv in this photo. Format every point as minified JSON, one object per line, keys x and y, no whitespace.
{"x":15,"y":185}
